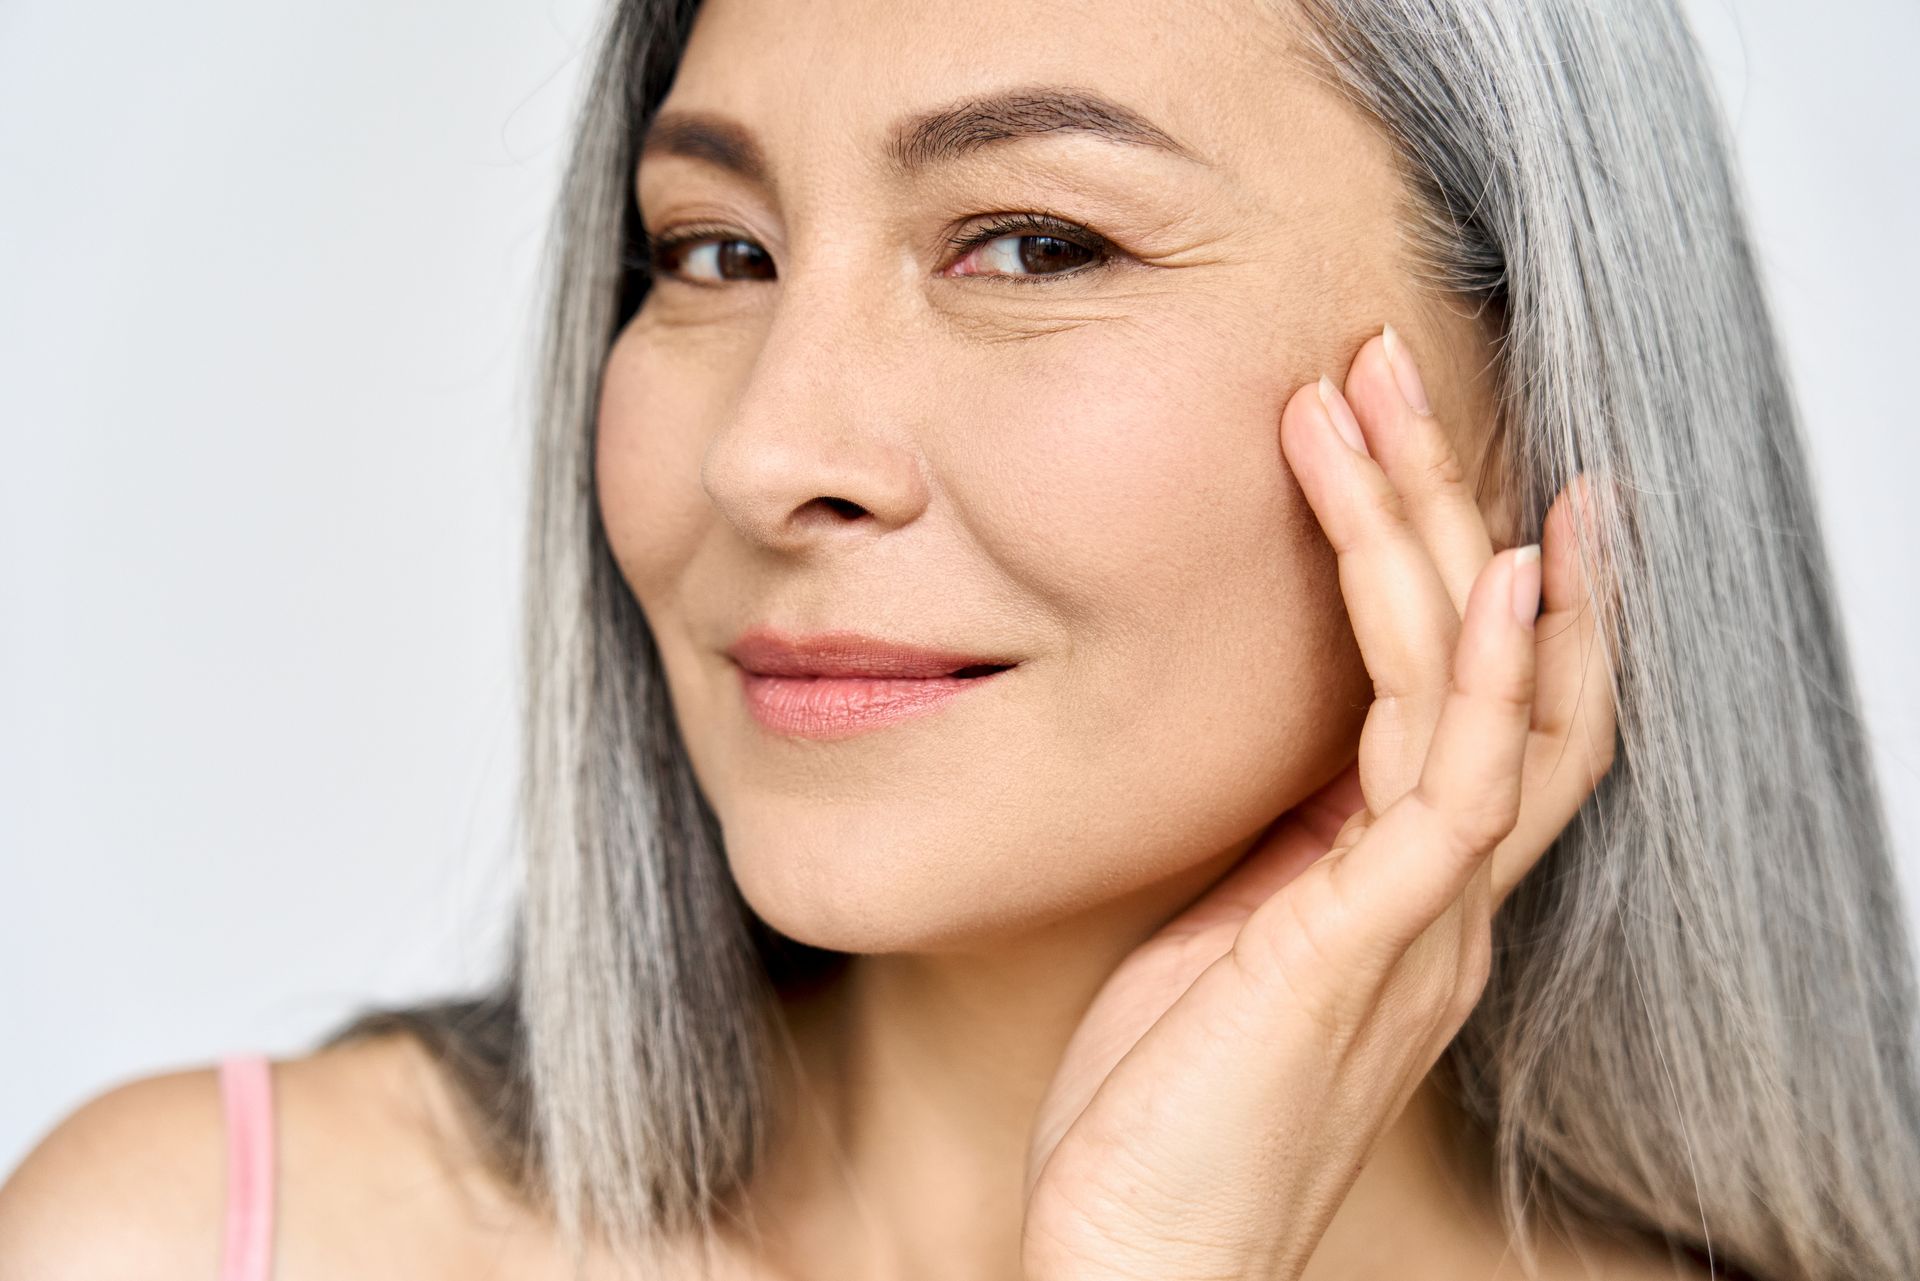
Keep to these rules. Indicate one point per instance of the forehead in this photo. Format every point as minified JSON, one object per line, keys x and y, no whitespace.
{"x":902,"y":88}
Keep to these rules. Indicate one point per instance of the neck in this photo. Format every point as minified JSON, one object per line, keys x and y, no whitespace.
{"x":920,"y":1074}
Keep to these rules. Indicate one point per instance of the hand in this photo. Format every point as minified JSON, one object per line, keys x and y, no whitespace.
{"x":1229,"y":1080}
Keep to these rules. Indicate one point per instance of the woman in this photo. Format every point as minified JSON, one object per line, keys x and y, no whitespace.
{"x":1172,"y":375}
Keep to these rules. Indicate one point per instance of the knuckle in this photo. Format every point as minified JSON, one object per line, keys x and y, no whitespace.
{"x":1492,"y":819}
{"x":1388,"y":504}
{"x":1520,"y":689}
{"x":1282,"y":945}
{"x":1400,"y":720}
{"x":1439,"y":464}
{"x":1294,"y":955}
{"x":1512,"y":688}
{"x":1471,"y":828}
{"x":1512,"y":691}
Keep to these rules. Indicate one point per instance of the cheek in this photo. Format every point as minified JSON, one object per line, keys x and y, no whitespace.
{"x":1204,"y":675}
{"x":1135,"y":482}
{"x":647,"y":450}
{"x":1128,"y":484}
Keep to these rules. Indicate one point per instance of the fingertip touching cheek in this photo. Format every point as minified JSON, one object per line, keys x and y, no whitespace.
{"x":973,"y":333}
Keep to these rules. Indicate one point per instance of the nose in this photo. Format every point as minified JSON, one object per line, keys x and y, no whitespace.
{"x":820,"y":446}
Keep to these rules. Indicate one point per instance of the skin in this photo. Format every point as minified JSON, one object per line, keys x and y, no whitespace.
{"x":1106,"y":475}
{"x":1054,"y":886}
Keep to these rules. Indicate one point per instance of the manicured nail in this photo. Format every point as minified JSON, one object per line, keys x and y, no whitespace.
{"x":1526,"y":583}
{"x":1343,"y":420}
{"x":1405,"y":372}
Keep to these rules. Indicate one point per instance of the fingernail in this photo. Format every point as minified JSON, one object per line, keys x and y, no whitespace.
{"x":1526,"y":583}
{"x":1405,"y":372}
{"x":1343,"y":420}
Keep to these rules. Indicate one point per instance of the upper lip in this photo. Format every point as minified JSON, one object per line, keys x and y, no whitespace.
{"x":767,"y":652}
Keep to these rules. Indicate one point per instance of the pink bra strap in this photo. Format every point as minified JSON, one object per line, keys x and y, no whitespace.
{"x":246,"y":1091}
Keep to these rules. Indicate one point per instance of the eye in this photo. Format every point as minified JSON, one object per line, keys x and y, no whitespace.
{"x":706,"y":256}
{"x":1039,"y":247}
{"x":1030,"y":248}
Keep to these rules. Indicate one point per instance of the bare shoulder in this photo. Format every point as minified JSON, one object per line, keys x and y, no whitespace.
{"x":132,"y":1182}
{"x":129,"y":1183}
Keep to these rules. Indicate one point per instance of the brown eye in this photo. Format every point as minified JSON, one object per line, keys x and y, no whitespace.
{"x":709,"y":259}
{"x":1028,"y":247}
{"x":1029,"y":255}
{"x":1031,"y":248}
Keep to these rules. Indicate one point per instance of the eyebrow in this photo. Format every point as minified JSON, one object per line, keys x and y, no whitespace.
{"x":932,"y":138}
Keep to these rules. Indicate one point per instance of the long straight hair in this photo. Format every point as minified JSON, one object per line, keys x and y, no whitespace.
{"x":1700,"y":1022}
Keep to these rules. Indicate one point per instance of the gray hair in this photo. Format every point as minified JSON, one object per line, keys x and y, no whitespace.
{"x":1700,"y":1022}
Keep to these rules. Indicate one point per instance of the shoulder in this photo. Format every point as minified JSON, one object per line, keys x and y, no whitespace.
{"x":132,"y":1182}
{"x":129,"y":1183}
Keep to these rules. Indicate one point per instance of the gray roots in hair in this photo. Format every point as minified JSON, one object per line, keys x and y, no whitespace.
{"x":1700,"y":1022}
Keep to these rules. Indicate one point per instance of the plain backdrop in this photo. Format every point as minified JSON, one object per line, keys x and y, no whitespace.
{"x":266,"y":288}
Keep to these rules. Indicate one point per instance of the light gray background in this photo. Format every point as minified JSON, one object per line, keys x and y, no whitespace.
{"x":265,"y":293}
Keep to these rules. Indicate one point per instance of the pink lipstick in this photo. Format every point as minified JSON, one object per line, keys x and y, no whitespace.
{"x":837,"y":684}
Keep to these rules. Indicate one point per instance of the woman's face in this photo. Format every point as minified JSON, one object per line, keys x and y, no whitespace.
{"x":1059,"y":445}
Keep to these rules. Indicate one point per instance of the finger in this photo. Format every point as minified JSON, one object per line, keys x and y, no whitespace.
{"x":1402,"y":617}
{"x":1326,"y":811}
{"x":1571,"y":652}
{"x":1442,"y":974}
{"x":1389,"y":397}
{"x":1282,"y":850}
{"x":1572,"y":743}
{"x":1418,"y":857}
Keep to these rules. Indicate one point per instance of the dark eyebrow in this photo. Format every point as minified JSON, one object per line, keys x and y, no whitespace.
{"x":940,"y":136}
{"x":948,"y":133}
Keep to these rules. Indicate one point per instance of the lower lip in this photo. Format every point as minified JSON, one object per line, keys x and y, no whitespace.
{"x":839,"y":707}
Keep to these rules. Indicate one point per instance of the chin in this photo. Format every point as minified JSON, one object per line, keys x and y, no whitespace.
{"x":1028,"y":810}
{"x":829,"y":879}
{"x":941,"y":877}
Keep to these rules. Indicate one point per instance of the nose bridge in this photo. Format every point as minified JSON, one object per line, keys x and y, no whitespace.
{"x":815,"y":443}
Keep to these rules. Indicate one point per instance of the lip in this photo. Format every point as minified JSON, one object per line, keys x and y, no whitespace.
{"x":764,"y":651}
{"x":837,"y":684}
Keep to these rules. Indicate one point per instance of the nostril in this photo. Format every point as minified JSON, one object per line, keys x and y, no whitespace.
{"x":845,"y":506}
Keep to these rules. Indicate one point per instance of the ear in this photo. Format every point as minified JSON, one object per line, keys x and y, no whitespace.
{"x":1498,"y":503}
{"x":1465,"y":386}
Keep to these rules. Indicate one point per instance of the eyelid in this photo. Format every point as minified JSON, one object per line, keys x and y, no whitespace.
{"x":652,"y":247}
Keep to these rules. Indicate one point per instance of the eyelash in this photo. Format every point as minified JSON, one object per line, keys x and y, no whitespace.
{"x":1040,"y":224}
{"x":656,"y":251}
